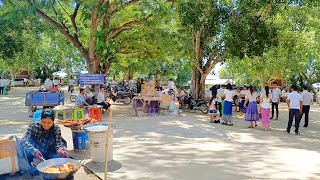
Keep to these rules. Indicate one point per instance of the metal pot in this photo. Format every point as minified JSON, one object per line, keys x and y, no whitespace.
{"x":56,"y":162}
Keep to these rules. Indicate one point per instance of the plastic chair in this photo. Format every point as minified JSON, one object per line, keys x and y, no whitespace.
{"x":95,"y":113}
{"x":77,"y":114}
{"x":37,"y":115}
{"x":63,"y":112}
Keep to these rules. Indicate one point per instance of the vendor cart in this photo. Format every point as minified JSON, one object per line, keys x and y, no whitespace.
{"x":45,"y":99}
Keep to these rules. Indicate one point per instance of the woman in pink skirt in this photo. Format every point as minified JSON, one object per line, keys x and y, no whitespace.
{"x":265,"y":106}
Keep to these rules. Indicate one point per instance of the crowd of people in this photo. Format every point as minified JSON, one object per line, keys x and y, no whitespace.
{"x":86,"y":98}
{"x":264,"y":107}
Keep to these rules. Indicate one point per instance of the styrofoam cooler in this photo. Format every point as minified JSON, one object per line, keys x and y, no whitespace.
{"x":98,"y":146}
{"x":97,"y":136}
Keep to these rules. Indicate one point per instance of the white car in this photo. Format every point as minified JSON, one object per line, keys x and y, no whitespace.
{"x":17,"y":82}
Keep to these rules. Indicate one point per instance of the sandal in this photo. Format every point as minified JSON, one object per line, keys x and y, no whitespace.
{"x":230,"y":124}
{"x":211,"y":121}
{"x":250,"y":126}
{"x":216,"y":121}
{"x":224,"y":123}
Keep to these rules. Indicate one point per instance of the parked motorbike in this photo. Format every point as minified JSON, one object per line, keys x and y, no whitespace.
{"x":119,"y":94}
{"x":73,"y":96}
{"x":188,"y":103}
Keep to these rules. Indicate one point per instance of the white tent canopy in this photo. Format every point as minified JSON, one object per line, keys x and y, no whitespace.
{"x":60,"y":74}
{"x":316,"y":85}
{"x":214,"y":80}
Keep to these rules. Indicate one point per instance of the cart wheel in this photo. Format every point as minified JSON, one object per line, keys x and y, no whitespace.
{"x":73,"y":98}
{"x":127,"y":101}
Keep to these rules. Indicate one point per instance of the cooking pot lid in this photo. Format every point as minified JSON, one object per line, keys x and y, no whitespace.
{"x":96,"y":127}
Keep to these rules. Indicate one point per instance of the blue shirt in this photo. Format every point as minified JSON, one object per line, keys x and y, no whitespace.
{"x":80,"y":100}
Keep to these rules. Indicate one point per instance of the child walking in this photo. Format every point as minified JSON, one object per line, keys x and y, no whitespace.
{"x":252,"y":114}
{"x":265,"y":106}
{"x":213,"y":110}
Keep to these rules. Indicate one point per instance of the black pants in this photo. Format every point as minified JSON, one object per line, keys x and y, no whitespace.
{"x":70,"y":88}
{"x":220,"y":108}
{"x":275,"y":105}
{"x":105,"y":106}
{"x":1,"y":90}
{"x":305,"y":110}
{"x":294,"y":113}
{"x":90,"y":101}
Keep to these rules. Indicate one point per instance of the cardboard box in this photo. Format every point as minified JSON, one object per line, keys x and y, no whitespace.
{"x":8,"y":157}
{"x":148,"y":90}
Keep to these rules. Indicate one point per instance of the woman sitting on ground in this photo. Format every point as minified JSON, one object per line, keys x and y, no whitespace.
{"x":43,"y":139}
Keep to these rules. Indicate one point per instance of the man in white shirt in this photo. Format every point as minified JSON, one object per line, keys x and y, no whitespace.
{"x":25,"y":81}
{"x":294,"y":102}
{"x":55,"y":82}
{"x":306,"y":102}
{"x":276,"y":94}
{"x":1,"y":85}
{"x":39,"y":81}
{"x":89,"y":96}
{"x":101,"y":100}
{"x":47,"y":84}
{"x":171,"y":85}
{"x":220,"y":92}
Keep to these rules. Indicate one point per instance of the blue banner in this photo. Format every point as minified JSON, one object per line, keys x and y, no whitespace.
{"x":91,"y":79}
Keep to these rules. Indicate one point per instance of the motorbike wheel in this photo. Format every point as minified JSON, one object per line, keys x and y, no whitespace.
{"x":204,"y":108}
{"x":127,"y":101}
{"x":73,"y":98}
{"x":184,"y":107}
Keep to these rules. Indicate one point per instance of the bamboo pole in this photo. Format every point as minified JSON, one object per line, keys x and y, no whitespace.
{"x":107,"y":146}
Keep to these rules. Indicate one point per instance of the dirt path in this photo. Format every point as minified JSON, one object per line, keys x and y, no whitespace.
{"x":189,"y":148}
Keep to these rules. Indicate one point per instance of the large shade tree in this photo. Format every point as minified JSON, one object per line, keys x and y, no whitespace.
{"x":93,"y":26}
{"x":284,"y":45}
{"x":203,"y":22}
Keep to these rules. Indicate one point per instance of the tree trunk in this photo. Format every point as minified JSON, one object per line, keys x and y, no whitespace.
{"x":156,"y":79}
{"x":202,"y":86}
{"x":198,"y":84}
{"x":195,"y":82}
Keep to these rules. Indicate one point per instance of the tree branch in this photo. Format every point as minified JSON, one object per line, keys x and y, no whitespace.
{"x":116,"y":9}
{"x":73,"y":19}
{"x":197,"y":66}
{"x":74,"y":40}
{"x":114,"y":32}
{"x":63,"y":8}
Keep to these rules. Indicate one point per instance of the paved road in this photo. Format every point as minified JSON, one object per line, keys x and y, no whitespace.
{"x":188,"y":147}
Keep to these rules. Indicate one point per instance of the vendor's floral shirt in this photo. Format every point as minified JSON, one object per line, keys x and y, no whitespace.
{"x":46,"y":141}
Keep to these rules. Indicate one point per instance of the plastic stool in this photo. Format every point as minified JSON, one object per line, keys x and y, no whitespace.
{"x":95,"y":113}
{"x":63,"y":112}
{"x":37,"y":115}
{"x":77,"y":114}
